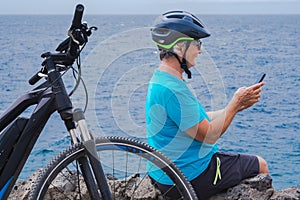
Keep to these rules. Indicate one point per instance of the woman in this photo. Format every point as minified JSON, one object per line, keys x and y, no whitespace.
{"x":177,"y":124}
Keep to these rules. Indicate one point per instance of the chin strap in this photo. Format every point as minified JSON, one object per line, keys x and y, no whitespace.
{"x":185,"y":68}
{"x":183,"y":63}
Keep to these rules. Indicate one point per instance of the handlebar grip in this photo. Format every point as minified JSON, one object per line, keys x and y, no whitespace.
{"x":34,"y":79}
{"x":76,"y":23}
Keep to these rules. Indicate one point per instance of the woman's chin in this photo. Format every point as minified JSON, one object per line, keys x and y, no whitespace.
{"x":192,"y":64}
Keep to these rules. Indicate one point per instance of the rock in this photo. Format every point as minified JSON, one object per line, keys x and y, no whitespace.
{"x":291,"y":193}
{"x":256,"y":188}
{"x":125,"y":188}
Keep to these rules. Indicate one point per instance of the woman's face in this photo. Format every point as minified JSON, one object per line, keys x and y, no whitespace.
{"x":193,"y":51}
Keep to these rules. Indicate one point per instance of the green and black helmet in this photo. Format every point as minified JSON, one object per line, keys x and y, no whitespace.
{"x":177,"y":26}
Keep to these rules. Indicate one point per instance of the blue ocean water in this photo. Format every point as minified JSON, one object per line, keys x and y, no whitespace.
{"x":239,"y":49}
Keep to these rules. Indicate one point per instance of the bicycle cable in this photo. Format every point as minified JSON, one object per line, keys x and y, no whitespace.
{"x":78,"y":80}
{"x":74,"y":75}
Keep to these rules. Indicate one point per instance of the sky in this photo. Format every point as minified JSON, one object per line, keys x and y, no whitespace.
{"x":151,"y":6}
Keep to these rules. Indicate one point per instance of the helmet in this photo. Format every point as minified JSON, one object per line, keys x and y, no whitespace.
{"x":177,"y":26}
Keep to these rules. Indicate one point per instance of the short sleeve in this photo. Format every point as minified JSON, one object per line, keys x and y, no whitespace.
{"x":185,"y":110}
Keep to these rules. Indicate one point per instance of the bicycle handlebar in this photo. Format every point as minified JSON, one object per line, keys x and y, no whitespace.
{"x":70,"y":48}
{"x":76,"y":23}
{"x":34,"y":79}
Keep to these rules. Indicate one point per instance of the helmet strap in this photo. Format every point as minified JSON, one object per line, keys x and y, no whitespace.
{"x":183,"y":63}
{"x":185,"y":68}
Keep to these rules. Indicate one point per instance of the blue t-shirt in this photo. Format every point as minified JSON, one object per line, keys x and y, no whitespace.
{"x":171,"y":109}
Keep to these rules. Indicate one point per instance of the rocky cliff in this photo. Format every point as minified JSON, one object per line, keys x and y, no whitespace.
{"x":256,"y":188}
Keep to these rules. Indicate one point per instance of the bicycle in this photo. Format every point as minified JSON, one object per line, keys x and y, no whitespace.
{"x":79,"y":166}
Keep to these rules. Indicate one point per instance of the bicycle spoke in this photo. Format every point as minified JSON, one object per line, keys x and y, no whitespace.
{"x":114,"y":184}
{"x":138,"y":172}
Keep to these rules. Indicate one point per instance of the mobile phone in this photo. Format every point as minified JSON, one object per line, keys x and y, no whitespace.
{"x":261,"y":78}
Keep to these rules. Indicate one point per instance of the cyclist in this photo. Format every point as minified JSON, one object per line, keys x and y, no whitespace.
{"x":178,"y":125}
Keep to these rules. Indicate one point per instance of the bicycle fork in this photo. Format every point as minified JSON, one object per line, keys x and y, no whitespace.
{"x":93,"y":158}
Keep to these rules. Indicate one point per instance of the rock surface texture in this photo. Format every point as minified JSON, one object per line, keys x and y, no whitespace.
{"x":256,"y":188}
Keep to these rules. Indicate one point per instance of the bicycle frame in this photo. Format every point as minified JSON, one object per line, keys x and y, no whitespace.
{"x":20,"y":148}
{"x":19,"y":134}
{"x":23,"y":133}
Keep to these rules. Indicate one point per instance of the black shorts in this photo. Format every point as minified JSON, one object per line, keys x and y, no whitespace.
{"x":233,"y":169}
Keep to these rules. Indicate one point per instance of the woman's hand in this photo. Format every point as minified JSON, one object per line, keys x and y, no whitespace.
{"x":245,"y":97}
{"x":211,"y":131}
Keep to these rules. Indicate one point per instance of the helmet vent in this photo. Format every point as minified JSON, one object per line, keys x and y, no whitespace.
{"x":184,"y":15}
{"x":175,"y":16}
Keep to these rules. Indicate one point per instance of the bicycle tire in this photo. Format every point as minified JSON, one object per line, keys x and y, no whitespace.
{"x":137,"y":151}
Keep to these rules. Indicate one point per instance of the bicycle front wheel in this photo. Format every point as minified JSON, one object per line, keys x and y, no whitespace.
{"x":124,"y":163}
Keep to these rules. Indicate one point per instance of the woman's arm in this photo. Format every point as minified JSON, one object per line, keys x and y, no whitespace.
{"x":210,"y":132}
{"x":213,"y":114}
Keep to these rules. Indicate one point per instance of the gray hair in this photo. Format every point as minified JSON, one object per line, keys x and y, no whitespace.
{"x":176,"y":49}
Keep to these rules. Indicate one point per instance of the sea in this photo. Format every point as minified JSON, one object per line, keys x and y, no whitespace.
{"x":120,"y":58}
